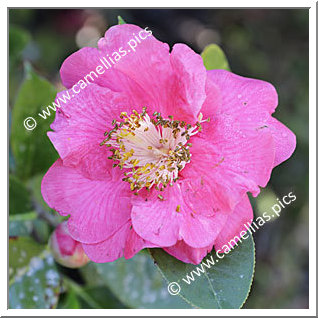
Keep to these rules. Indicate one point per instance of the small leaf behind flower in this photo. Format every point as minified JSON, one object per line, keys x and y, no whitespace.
{"x":214,"y":58}
{"x":121,"y":20}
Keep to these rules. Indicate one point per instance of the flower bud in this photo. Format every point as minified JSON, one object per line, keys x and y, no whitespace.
{"x":65,"y":249}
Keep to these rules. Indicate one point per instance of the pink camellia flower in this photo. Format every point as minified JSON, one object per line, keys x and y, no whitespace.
{"x":65,"y":249}
{"x":159,"y":152}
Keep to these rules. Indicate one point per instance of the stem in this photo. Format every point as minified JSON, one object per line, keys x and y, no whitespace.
{"x":81,"y":292}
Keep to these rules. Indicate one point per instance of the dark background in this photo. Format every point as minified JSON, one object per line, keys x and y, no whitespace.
{"x":268,"y":44}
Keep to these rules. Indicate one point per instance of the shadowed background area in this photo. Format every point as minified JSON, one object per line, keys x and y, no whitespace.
{"x":271,"y":45}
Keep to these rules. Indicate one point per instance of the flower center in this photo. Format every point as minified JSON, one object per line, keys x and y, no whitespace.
{"x":152,"y":149}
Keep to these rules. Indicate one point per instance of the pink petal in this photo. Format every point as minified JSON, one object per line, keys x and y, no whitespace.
{"x":241,"y":215}
{"x":170,"y":84}
{"x":285,"y":140}
{"x":65,"y":242}
{"x":188,"y":90}
{"x":203,"y":211}
{"x":174,"y":83}
{"x":150,"y":73}
{"x":211,"y":104}
{"x":135,"y":243}
{"x":89,"y":64}
{"x":207,"y":173}
{"x":188,"y":254}
{"x":97,"y":208}
{"x":239,"y":130}
{"x":80,"y":125}
{"x":244,"y":95}
{"x":155,"y":220}
{"x":125,"y":242}
{"x":110,"y":249}
{"x":85,"y":66}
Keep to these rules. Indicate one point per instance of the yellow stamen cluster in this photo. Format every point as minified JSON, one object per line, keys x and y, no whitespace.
{"x":153,"y":150}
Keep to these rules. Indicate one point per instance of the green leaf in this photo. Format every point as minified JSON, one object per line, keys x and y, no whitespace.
{"x":32,"y":149}
{"x":34,"y":281}
{"x":19,"y":197}
{"x":102,"y":297}
{"x":69,"y":300}
{"x":135,"y":282}
{"x":226,"y":284}
{"x":214,"y":58}
{"x":21,"y":251}
{"x":264,"y":203}
{"x":41,"y":230}
{"x":53,"y":217}
{"x":18,"y":40}
{"x":34,"y":185}
{"x":28,"y":224}
{"x":22,"y":224}
{"x":82,"y":295}
{"x":20,"y":228}
{"x":121,"y":20}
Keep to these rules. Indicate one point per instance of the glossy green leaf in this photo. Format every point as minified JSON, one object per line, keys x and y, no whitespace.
{"x":226,"y":284}
{"x":214,"y":58}
{"x":135,"y":282}
{"x":34,"y":281}
{"x":32,"y":149}
{"x":19,"y":197}
{"x":121,"y":20}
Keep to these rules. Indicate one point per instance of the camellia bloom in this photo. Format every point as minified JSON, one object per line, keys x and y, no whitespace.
{"x":65,"y":249}
{"x":159,"y":152}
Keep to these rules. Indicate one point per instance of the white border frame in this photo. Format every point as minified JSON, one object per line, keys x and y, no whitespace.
{"x":312,"y":163}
